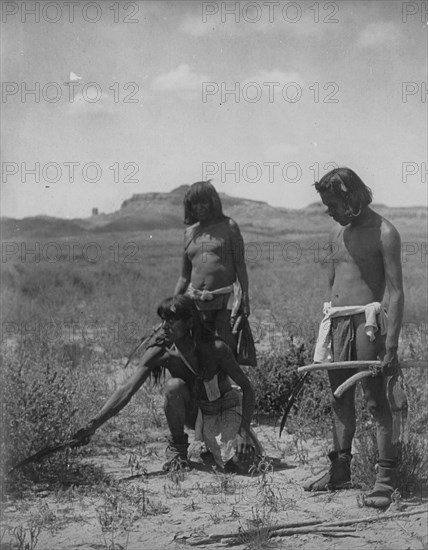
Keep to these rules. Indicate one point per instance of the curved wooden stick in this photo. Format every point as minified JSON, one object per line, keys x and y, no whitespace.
{"x":46,"y":451}
{"x":365,"y":374}
{"x":338,"y":365}
{"x":351,"y":381}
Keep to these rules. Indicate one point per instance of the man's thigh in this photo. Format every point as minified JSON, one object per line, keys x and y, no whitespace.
{"x":339,"y":376}
{"x":222,"y":321}
{"x":374,"y":389}
{"x":364,"y":348}
{"x":215,"y":315}
{"x":190,"y":405}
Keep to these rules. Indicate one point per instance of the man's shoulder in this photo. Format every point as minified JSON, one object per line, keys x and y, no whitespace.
{"x":231,"y":222}
{"x":226,"y":222}
{"x":189,"y":234}
{"x":232,"y":227}
{"x":389,"y":234}
{"x":377,"y":220}
{"x":191,"y":229}
{"x":387,"y":226}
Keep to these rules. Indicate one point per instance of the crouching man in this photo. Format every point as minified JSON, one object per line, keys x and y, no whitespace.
{"x":198,"y":394}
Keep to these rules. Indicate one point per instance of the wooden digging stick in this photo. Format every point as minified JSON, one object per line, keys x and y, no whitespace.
{"x":354,"y":364}
{"x":338,"y":365}
{"x":351,"y":381}
{"x":46,"y":451}
{"x":367,"y":373}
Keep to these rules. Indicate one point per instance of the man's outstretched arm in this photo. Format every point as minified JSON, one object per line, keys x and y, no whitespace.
{"x":122,"y":395}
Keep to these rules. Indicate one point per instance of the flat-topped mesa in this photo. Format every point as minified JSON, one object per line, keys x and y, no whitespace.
{"x":180,"y":190}
{"x":177,"y":195}
{"x":141,"y":197}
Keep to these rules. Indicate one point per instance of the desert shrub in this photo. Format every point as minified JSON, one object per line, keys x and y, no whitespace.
{"x":412,"y":457}
{"x":310,"y":415}
{"x":46,"y":395}
{"x":119,"y":294}
{"x":312,"y":412}
{"x":413,"y":452}
{"x":274,"y":377}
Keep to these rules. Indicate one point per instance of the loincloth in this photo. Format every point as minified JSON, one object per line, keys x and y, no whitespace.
{"x":218,"y":423}
{"x":342,"y":339}
{"x":219,"y":418}
{"x":343,"y":330}
{"x":208,"y":300}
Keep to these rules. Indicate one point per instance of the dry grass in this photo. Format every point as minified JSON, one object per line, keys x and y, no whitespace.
{"x":53,"y":384}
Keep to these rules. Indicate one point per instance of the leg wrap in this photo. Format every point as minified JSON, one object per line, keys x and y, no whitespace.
{"x":176,"y":453}
{"x":385,"y":485}
{"x":338,"y":475}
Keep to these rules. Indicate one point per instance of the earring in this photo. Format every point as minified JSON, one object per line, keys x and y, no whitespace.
{"x":357,"y":214}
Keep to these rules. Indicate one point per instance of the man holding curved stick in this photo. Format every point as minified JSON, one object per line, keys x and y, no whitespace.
{"x":364,"y":260}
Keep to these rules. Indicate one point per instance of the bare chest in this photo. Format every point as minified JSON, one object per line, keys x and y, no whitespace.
{"x":209,"y":242}
{"x":358,"y":246}
{"x":190,"y":364}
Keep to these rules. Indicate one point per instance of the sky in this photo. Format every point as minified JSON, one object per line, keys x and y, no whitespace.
{"x":263,"y":98}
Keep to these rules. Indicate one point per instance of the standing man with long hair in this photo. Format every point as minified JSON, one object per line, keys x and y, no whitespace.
{"x":364,"y":260}
{"x":213,"y":260}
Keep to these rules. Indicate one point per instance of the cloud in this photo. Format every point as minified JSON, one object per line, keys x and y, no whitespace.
{"x":180,"y":79}
{"x":379,"y":34}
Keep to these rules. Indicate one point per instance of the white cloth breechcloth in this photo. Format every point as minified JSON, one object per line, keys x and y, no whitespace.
{"x":218,"y":423}
{"x":376,"y":319}
{"x":219,"y":419}
{"x":234,"y":291}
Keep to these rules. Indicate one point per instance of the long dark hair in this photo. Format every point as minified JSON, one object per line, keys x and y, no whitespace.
{"x":183,"y":307}
{"x":347,"y":185}
{"x":202,"y":191}
{"x":179,"y":307}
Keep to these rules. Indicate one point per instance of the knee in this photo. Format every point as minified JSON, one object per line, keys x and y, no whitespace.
{"x":175,"y":387}
{"x":344,"y":408}
{"x":374,"y":408}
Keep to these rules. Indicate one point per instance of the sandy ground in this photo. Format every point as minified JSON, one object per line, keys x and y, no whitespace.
{"x":183,"y":511}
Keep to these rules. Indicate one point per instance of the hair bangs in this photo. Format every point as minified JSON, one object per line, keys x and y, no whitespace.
{"x":179,"y":307}
{"x":202,"y":191}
